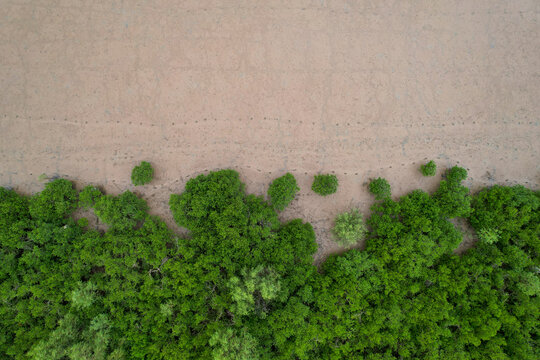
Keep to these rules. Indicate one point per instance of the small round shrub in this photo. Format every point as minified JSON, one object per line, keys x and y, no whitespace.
{"x":142,"y":174}
{"x":380,"y":188}
{"x":349,"y":228}
{"x":456,"y":174}
{"x":429,"y":169}
{"x":282,"y":191}
{"x":325,"y":184}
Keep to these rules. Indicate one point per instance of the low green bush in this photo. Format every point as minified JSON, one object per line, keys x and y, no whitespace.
{"x":380,"y":188}
{"x":282,"y":191}
{"x":349,"y":228}
{"x":142,"y":174}
{"x":429,"y":169}
{"x":325,"y":184}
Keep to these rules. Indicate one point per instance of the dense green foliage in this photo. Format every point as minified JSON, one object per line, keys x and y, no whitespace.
{"x":121,"y":212}
{"x":429,"y":169}
{"x":68,"y":292}
{"x":452,"y":197}
{"x":240,"y":272}
{"x":380,"y":188}
{"x":55,"y":202}
{"x":349,"y":228}
{"x":142,"y":174}
{"x":88,"y":196}
{"x":282,"y":191}
{"x":324,"y":184}
{"x":243,"y":284}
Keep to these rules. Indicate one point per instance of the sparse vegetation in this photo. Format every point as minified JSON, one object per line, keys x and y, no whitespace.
{"x":142,"y":174}
{"x":325,"y":184}
{"x":429,"y":169}
{"x":243,"y":284}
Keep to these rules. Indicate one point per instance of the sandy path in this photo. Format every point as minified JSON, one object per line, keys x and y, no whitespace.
{"x":359,"y":88}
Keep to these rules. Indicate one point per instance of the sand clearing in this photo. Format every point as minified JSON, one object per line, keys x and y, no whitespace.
{"x":357,"y":88}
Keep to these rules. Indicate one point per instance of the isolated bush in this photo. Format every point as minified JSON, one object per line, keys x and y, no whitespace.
{"x":429,"y":169}
{"x":142,"y":174}
{"x":456,"y":175}
{"x":324,"y":184}
{"x":380,"y":188}
{"x":282,"y":191}
{"x":349,"y":228}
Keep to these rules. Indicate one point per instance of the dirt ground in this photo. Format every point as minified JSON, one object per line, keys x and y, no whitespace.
{"x":360,"y":89}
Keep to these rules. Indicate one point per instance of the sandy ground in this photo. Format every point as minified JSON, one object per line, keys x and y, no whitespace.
{"x":357,"y":88}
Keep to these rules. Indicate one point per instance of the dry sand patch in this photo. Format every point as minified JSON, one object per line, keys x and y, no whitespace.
{"x":357,"y":88}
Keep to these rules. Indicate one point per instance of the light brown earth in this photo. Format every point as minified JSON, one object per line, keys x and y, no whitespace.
{"x":357,"y":88}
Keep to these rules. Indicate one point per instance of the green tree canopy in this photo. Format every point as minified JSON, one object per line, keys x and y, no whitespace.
{"x":243,"y":285}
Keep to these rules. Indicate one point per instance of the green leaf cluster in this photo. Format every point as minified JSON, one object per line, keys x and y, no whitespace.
{"x":380,"y":188}
{"x":142,"y":174}
{"x":349,"y":227}
{"x":253,"y":290}
{"x":55,"y":202}
{"x":452,"y":197}
{"x":121,"y":212}
{"x":429,"y":169}
{"x":325,"y":184}
{"x":282,"y":191}
{"x":88,"y":196}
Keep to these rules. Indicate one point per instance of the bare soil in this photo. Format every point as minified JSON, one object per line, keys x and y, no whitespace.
{"x":360,"y":89}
